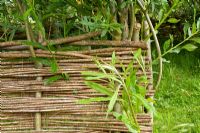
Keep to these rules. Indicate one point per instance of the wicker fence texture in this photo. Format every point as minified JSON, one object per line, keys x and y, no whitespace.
{"x":58,"y":105}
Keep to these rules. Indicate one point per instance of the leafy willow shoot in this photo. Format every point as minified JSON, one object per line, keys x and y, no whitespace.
{"x":123,"y":87}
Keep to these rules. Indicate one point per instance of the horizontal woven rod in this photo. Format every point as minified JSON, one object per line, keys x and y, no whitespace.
{"x":50,"y":121}
{"x":148,"y":94}
{"x":74,"y":114}
{"x":58,"y":55}
{"x":26,"y":54}
{"x":66,"y":89}
{"x":45,"y":73}
{"x":21,"y":82}
{"x":108,"y":50}
{"x":136,"y":44}
{"x":54,"y":41}
{"x":71,"y":108}
{"x":98,"y":125}
{"x":145,"y":58}
{"x":62,"y":69}
{"x":16,"y":120}
{"x":10,"y":43}
{"x":72,"y":95}
{"x":22,"y":106}
{"x":46,"y":104}
{"x":68,"y":55}
{"x":30,"y":75}
{"x":83,"y":66}
{"x":90,"y":125}
{"x":123,"y":129}
{"x":61,"y":83}
{"x":144,"y":129}
{"x":64,"y":116}
{"x":74,"y":57}
{"x":110,"y":123}
{"x":72,"y":39}
{"x":94,"y":51}
{"x":56,"y":131}
{"x":71,"y":66}
{"x":49,"y":109}
{"x":18,"y":47}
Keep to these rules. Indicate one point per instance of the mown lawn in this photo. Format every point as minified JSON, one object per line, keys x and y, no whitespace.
{"x":178,"y":98}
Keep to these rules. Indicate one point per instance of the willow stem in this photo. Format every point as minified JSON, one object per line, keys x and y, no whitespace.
{"x":140,"y":2}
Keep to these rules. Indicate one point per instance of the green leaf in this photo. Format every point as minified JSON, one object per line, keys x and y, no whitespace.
{"x":113,"y":58}
{"x":43,"y":61}
{"x":113,"y":101}
{"x":103,"y":33}
{"x":145,"y":103}
{"x":194,"y":28}
{"x":111,"y":68}
{"x":138,"y":53}
{"x":12,"y":33}
{"x":166,"y":45}
{"x":99,"y":88}
{"x":196,"y":39}
{"x":123,"y":4}
{"x":164,"y":60}
{"x":173,"y":20}
{"x":185,"y":29}
{"x":198,"y":24}
{"x":133,"y":80}
{"x":34,"y":44}
{"x":189,"y":47}
{"x":98,"y":75}
{"x":52,"y":79}
{"x":54,"y":66}
{"x":122,"y":117}
{"x":38,"y":23}
{"x":141,"y":90}
{"x":129,"y":68}
{"x":176,"y":50}
{"x":27,"y":13}
{"x":95,"y":99}
{"x":65,"y":76}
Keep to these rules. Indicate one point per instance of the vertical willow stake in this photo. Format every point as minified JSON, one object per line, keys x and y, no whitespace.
{"x":38,"y":94}
{"x":148,"y":42}
{"x":116,"y":35}
{"x":136,"y":32}
{"x":132,"y":20}
{"x":144,"y":10}
{"x":30,"y":37}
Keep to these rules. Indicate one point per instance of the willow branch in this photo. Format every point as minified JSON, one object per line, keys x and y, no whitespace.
{"x":179,"y":44}
{"x":72,"y":39}
{"x":54,"y":41}
{"x":140,"y":2}
{"x":29,"y":32}
{"x":164,"y":18}
{"x":132,"y":21}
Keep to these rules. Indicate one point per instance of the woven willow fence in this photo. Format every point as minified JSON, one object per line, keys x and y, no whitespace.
{"x":57,"y":107}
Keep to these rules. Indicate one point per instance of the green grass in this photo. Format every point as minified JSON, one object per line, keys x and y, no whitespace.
{"x":178,"y":97}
